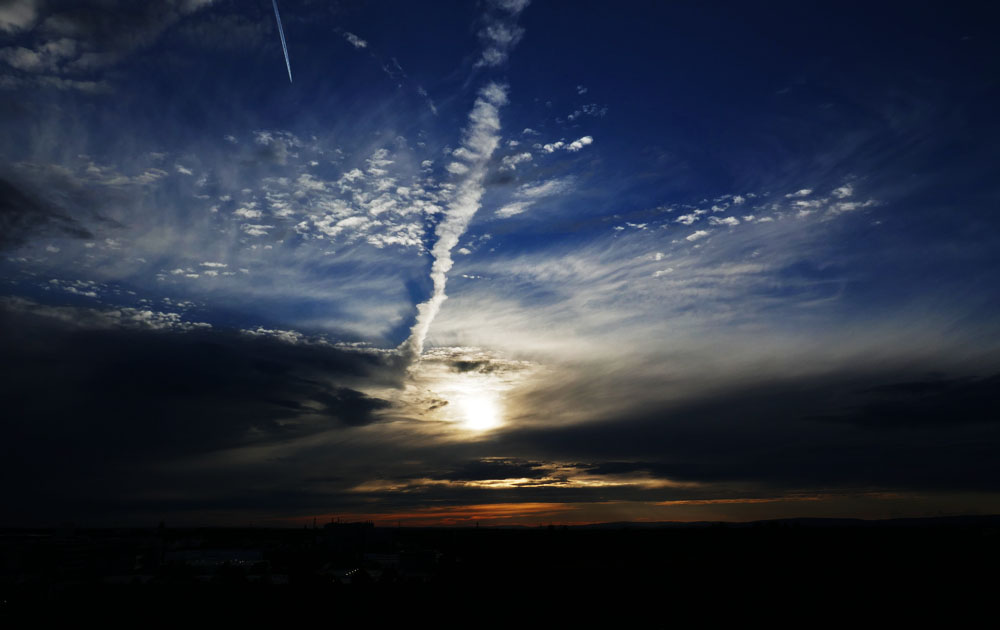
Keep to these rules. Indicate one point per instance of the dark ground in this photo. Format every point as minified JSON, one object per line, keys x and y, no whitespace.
{"x":805,"y":571}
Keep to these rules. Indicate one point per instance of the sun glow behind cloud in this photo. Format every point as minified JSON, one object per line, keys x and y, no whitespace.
{"x":466,"y":390}
{"x":480,"y":410}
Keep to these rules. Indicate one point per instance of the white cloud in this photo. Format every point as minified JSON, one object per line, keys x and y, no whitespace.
{"x":687,"y":219}
{"x":544,"y":189}
{"x":256,"y":230}
{"x":513,"y":6}
{"x":351,"y":175}
{"x":844,"y":191}
{"x":581,"y":90}
{"x":513,"y":208}
{"x":576,"y":145}
{"x":499,"y":36}
{"x":308,"y":182}
{"x":288,"y":336}
{"x":663,"y":272}
{"x":553,"y":147}
{"x":738,"y":200}
{"x":149,"y":176}
{"x":698,"y":235}
{"x":182,"y":170}
{"x":804,"y":192}
{"x":590,"y":109}
{"x":481,"y":137}
{"x":248,"y":211}
{"x":355,"y":41}
{"x":850,"y":206}
{"x":511,"y":161}
{"x":730,"y":221}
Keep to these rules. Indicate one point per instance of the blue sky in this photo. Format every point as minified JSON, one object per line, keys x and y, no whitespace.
{"x":545,"y":223}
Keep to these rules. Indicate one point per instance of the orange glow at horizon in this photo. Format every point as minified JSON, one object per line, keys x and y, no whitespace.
{"x":536,"y":514}
{"x":486,"y":513}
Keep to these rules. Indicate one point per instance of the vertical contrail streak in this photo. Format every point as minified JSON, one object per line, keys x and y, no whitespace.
{"x":281,"y":32}
{"x":481,"y":139}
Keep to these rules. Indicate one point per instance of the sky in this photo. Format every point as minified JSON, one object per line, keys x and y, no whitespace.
{"x":508,"y":262}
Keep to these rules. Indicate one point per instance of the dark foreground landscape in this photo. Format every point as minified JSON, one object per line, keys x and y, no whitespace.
{"x":941,"y":568}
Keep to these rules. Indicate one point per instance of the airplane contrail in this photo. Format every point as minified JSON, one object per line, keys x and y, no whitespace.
{"x":281,"y":32}
{"x":482,"y":137}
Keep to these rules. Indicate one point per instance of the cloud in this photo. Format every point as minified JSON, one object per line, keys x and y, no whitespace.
{"x":512,"y":209}
{"x":511,"y":6}
{"x":545,"y":189}
{"x":591,"y":109}
{"x":844,"y":191}
{"x":46,"y":58}
{"x":84,"y":38}
{"x":576,"y":145}
{"x":480,"y":140}
{"x":500,"y":32}
{"x":25,"y":214}
{"x":850,"y":206}
{"x":355,"y":41}
{"x":700,"y":234}
{"x":528,"y":194}
{"x":864,"y":429}
{"x":804,"y":192}
{"x":138,"y":398}
{"x":730,"y":221}
{"x":248,"y":211}
{"x":256,"y":230}
{"x":457,"y":168}
{"x":511,"y":161}
{"x":573,"y":147}
{"x":17,"y":15}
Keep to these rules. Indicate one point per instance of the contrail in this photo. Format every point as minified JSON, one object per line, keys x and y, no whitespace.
{"x":481,"y":140}
{"x":281,"y":32}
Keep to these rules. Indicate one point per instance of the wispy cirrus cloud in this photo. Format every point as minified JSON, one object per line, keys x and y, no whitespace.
{"x":500,"y":32}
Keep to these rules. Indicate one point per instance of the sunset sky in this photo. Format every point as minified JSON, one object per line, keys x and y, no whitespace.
{"x":505,"y":262}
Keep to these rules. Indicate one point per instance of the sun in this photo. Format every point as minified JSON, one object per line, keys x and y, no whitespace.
{"x":479,"y":411}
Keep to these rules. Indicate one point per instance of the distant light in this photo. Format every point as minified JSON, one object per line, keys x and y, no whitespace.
{"x":479,"y":411}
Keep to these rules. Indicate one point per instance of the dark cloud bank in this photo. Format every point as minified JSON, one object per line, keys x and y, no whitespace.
{"x":94,"y":417}
{"x":90,"y":412}
{"x":855,"y":429}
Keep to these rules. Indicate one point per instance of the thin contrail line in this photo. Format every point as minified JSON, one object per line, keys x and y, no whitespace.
{"x":281,"y":32}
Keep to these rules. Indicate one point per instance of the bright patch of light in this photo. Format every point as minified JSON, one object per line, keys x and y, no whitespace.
{"x":479,"y":411}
